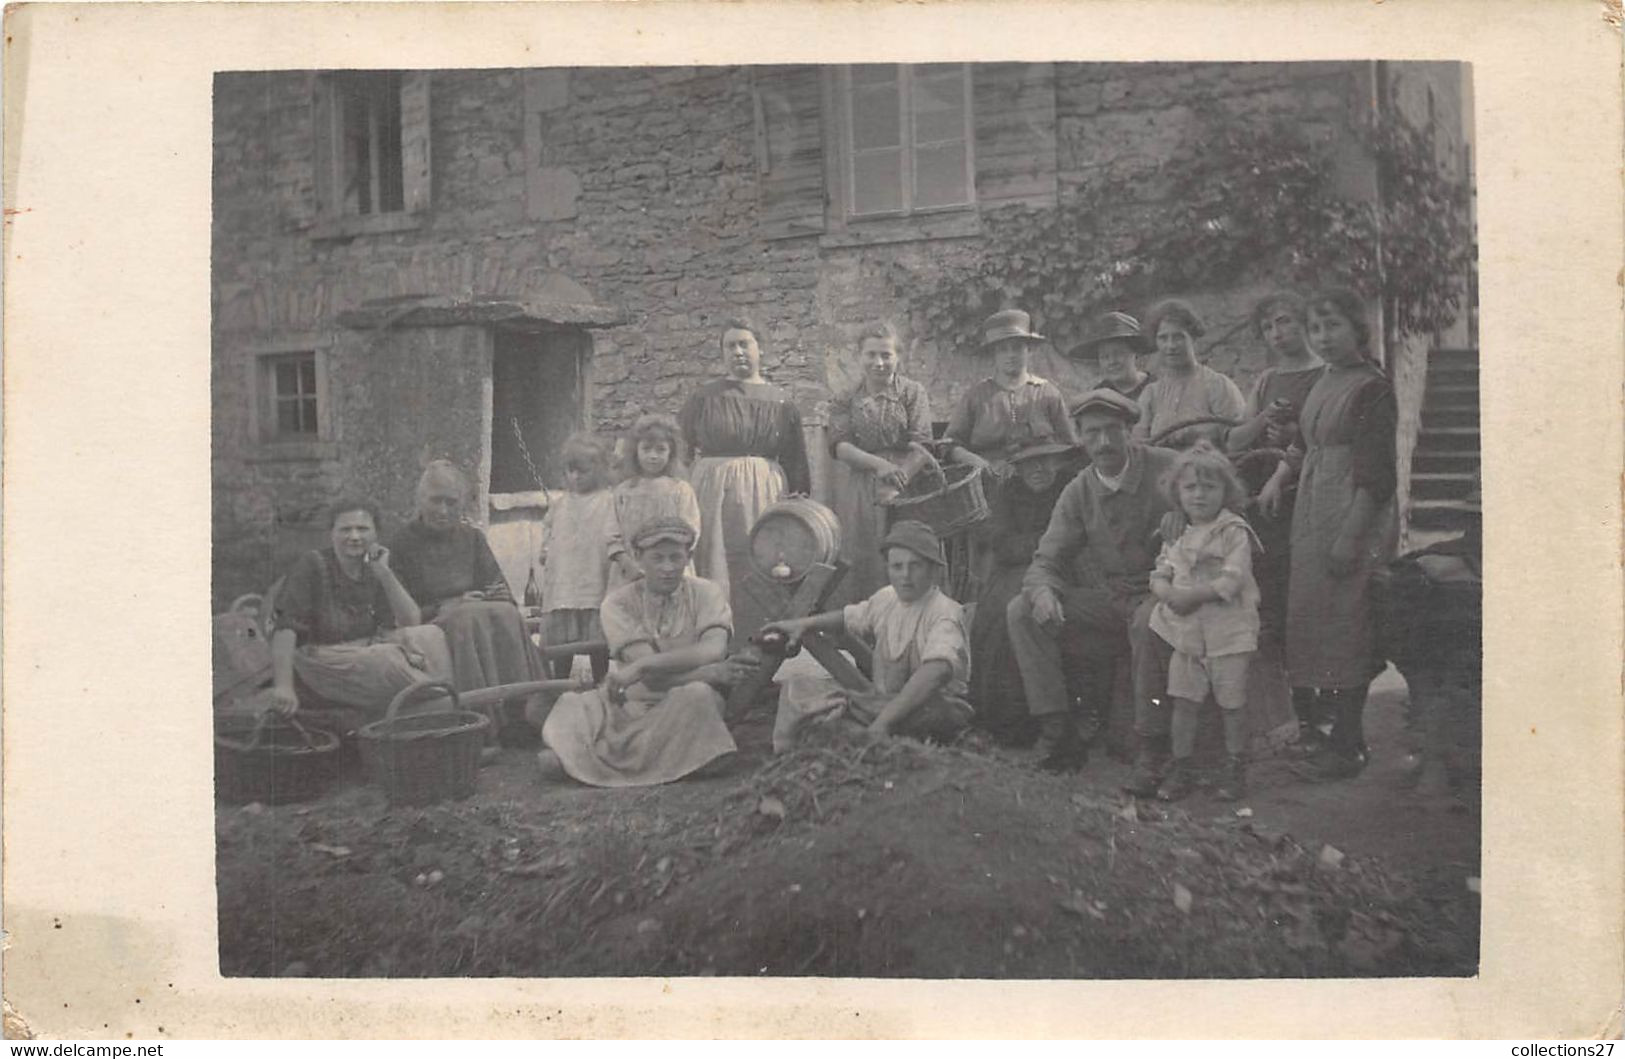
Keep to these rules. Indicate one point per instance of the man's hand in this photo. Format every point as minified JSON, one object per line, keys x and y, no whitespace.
{"x":620,"y":678}
{"x":1047,"y":609}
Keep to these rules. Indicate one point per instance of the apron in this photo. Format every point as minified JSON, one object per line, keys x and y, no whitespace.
{"x":1331,"y":628}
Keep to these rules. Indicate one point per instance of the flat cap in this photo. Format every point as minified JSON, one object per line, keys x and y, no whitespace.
{"x":1109,"y":402}
{"x":918,"y":538}
{"x":664,"y":528}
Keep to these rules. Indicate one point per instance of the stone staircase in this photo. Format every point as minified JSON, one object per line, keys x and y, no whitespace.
{"x":1446,"y":461}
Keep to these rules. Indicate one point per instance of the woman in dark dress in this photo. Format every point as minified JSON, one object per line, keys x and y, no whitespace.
{"x":747,"y":440}
{"x":1018,"y":519}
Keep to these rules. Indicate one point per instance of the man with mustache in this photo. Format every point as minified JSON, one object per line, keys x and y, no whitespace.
{"x":1089,"y":583}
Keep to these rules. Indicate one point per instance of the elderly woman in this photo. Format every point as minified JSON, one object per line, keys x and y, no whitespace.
{"x":746,"y":436}
{"x":657,"y":717}
{"x":447,"y":563}
{"x":348,"y":633}
{"x":1185,"y":390}
{"x":996,"y":418}
{"x":877,"y":434}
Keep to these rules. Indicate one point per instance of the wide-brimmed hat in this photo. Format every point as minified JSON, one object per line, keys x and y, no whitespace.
{"x":1108,"y":326}
{"x":918,"y":538}
{"x":1042,"y":448}
{"x":1108,"y":401}
{"x":1008,"y":323}
{"x":663,"y":528}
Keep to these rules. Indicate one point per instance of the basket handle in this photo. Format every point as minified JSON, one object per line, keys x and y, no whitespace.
{"x":1199,"y":421}
{"x":413,"y":692}
{"x":251,"y":601}
{"x":930,"y":457}
{"x":267,"y":718}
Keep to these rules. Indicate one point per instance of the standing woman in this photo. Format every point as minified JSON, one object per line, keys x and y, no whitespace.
{"x":347,"y":631}
{"x":447,"y":563}
{"x":1343,"y":526}
{"x":998,"y":417}
{"x":746,"y":436}
{"x":877,"y":433}
{"x":1184,"y":389}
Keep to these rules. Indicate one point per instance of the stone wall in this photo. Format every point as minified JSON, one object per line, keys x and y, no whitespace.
{"x":641,"y":185}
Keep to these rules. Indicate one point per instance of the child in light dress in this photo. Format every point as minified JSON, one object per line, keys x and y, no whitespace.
{"x":1207,"y":610}
{"x":575,"y":568}
{"x":654,"y":485}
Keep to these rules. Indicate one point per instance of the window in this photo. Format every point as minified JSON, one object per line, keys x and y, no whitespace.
{"x":369,"y":132}
{"x":290,"y":413}
{"x":371,"y":151}
{"x":908,"y":139}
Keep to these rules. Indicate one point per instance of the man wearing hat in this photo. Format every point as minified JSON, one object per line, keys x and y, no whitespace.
{"x":1115,"y":342}
{"x":1090,"y":582}
{"x":921,"y":658}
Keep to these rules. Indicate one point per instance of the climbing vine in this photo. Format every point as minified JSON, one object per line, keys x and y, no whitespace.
{"x":1240,"y":201}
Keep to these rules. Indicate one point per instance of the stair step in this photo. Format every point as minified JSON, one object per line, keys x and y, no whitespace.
{"x":1452,"y":375}
{"x":1425,"y":486}
{"x":1441,"y":515}
{"x":1433,"y":418}
{"x":1444,"y":463}
{"x":1451,"y":439}
{"x":1450,"y":396}
{"x":1453,"y":356}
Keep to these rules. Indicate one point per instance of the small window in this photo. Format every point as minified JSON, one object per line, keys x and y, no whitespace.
{"x":369,"y":119}
{"x":291,"y":387}
{"x":908,"y":139}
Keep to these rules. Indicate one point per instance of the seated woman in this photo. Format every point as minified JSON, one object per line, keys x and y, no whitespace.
{"x":1019,"y":515}
{"x":921,"y":661}
{"x":658,"y":716}
{"x":447,"y":564}
{"x":347,"y":631}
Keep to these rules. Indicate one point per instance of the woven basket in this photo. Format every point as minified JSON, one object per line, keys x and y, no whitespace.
{"x":424,"y":758}
{"x":957,"y":503}
{"x":262,"y":760}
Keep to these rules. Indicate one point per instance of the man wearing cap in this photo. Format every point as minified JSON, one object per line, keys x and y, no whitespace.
{"x":921,"y":658}
{"x":1090,"y":580}
{"x":658,"y":715}
{"x":1115,"y":342}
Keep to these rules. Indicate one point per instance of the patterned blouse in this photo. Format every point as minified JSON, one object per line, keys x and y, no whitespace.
{"x":884,"y":421}
{"x":995,"y":423}
{"x":726,"y":417}
{"x":324,"y":605}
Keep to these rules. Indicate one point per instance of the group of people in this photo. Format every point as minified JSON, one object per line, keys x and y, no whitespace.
{"x":1119,"y":533}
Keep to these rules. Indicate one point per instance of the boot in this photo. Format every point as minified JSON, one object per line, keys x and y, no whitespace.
{"x":1346,"y":754}
{"x":1150,"y":766}
{"x":1311,"y":737}
{"x":1179,"y":782}
{"x":1233,"y":785}
{"x":1062,"y":748}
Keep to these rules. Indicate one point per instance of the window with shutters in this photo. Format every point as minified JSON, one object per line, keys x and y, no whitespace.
{"x":908,"y":139}
{"x":372,"y":150}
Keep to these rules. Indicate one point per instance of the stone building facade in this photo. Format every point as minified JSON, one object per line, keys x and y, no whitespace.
{"x":422,"y":264}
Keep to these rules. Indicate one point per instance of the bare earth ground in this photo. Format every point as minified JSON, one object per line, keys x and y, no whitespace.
{"x":843,"y":858}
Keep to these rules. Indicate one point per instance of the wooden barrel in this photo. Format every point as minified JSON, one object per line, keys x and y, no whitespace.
{"x":792,"y":535}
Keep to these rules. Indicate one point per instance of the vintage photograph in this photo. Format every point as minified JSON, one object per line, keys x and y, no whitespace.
{"x":1012,"y":520}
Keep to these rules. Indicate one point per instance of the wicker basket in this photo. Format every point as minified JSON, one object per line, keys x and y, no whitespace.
{"x":424,"y":758}
{"x":959,"y":502}
{"x":271,"y":761}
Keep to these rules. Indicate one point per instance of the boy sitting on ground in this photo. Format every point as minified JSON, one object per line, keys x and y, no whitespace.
{"x":921,"y":661}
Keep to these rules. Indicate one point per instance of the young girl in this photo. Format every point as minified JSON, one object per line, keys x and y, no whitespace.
{"x":653,"y":486}
{"x":575,"y":568}
{"x":1207,"y":610}
{"x":1343,"y":527}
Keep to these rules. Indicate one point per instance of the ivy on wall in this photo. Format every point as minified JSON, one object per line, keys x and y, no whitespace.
{"x":1242,"y":200}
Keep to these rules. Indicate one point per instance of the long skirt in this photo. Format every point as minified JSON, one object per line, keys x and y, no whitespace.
{"x":356,"y":681}
{"x":639,"y":742}
{"x":857,"y":500}
{"x":488,"y":644}
{"x":733,"y":491}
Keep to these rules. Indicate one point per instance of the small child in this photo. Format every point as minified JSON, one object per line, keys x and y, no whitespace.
{"x":575,"y":568}
{"x":653,"y":485}
{"x":1207,"y":610}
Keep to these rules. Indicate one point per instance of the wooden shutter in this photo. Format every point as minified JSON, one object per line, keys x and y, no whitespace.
{"x":789,"y":151}
{"x":1015,"y":133}
{"x":415,"y":140}
{"x":324,"y":138}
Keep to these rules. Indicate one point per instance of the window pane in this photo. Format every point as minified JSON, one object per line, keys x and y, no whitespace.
{"x":307,"y":375}
{"x":877,"y":182}
{"x":874,"y":74}
{"x":939,"y":108}
{"x":939,"y":176}
{"x":875,"y":118}
{"x":287,"y":417}
{"x":287,"y":378}
{"x":307,"y":415}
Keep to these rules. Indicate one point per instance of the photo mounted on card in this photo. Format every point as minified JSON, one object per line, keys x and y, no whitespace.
{"x":962,"y":500}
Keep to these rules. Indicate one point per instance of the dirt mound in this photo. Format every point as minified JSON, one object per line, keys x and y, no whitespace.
{"x":842,"y":858}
